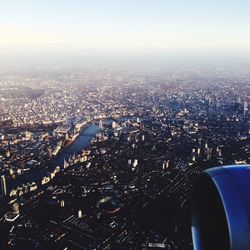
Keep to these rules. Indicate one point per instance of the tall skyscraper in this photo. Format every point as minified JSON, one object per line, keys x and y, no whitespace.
{"x":245,"y":108}
{"x":3,"y":186}
{"x":113,"y":125}
{"x":80,"y":214}
{"x":100,"y":124}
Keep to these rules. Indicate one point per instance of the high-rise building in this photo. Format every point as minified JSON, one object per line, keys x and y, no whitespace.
{"x":245,"y":108}
{"x":143,"y":137}
{"x":3,"y":185}
{"x":100,"y":124}
{"x":113,"y":125}
{"x":80,"y":214}
{"x":8,"y":153}
{"x":62,"y":203}
{"x":49,"y":152}
{"x":198,"y":151}
{"x":135,"y":163}
{"x":15,"y":208}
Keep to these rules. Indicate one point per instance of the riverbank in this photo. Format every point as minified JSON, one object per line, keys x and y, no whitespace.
{"x":79,"y":144}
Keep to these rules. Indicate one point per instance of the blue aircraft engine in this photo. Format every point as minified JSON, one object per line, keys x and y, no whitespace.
{"x":221,"y":209}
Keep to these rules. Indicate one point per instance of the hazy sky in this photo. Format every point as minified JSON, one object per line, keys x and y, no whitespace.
{"x":40,"y":26}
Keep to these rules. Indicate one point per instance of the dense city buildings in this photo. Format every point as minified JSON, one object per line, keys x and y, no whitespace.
{"x":106,"y":159}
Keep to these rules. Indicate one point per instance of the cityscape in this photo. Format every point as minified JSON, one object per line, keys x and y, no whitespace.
{"x":124,"y":125}
{"x":108,"y":160}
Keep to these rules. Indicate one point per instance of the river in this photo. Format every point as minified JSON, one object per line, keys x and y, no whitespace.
{"x":80,"y":143}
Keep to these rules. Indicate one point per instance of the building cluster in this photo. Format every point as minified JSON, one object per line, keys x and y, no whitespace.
{"x":112,"y":166}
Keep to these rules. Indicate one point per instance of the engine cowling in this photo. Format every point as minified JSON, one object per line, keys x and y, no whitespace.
{"x":221,"y":209}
